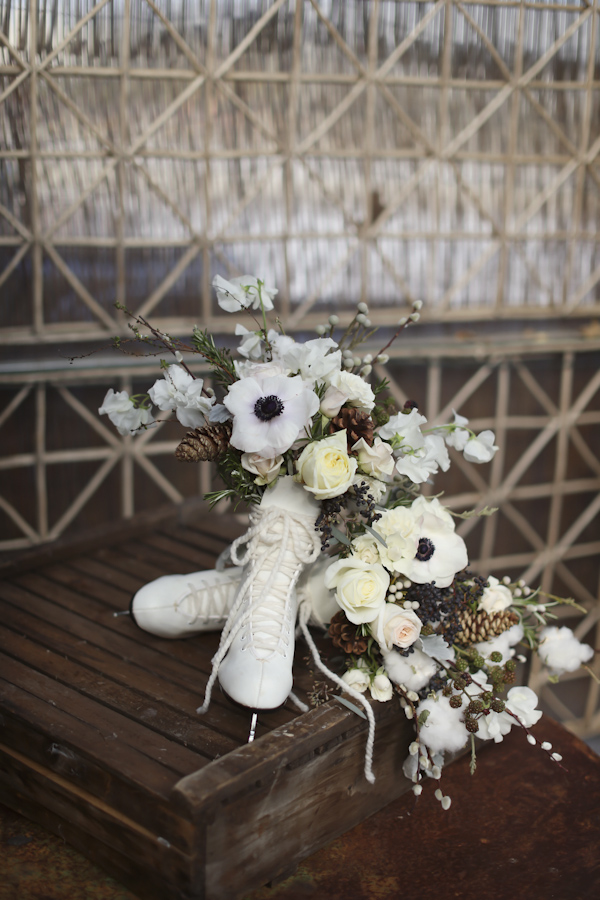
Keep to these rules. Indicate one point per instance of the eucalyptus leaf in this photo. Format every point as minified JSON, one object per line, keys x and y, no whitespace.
{"x":351,"y":707}
{"x":339,"y":536}
{"x":376,"y":535}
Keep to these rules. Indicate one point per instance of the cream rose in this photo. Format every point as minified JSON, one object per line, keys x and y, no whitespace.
{"x":365,"y":547}
{"x":358,"y":678}
{"x":396,"y":627}
{"x":265,"y":469}
{"x":496,"y":597}
{"x":324,"y":467}
{"x":381,"y":687}
{"x":377,"y":460}
{"x":360,"y":588}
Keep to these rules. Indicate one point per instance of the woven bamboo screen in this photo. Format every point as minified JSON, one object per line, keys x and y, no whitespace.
{"x":347,"y":150}
{"x":380,"y":151}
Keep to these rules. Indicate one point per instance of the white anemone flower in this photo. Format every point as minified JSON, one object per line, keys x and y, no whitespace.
{"x":122,"y":412}
{"x":242,"y":293}
{"x":270,"y":413}
{"x":441,"y":553}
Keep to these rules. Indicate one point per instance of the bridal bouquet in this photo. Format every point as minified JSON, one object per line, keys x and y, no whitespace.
{"x":412,"y":621}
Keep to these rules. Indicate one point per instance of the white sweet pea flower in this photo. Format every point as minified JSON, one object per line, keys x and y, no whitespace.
{"x":269,"y":413}
{"x":381,"y":687}
{"x":179,"y":391}
{"x":425,"y":461}
{"x":480,"y":449}
{"x":496,"y":597}
{"x":459,"y":436}
{"x":316,"y":360}
{"x":360,"y":588}
{"x":332,"y":402}
{"x":396,"y":627}
{"x":444,"y":729}
{"x":522,"y":702}
{"x":266,"y":470}
{"x":377,"y":460}
{"x":247,"y":368}
{"x":324,"y":467}
{"x":413,"y":671}
{"x":561,"y":651}
{"x":122,"y":412}
{"x":251,"y":343}
{"x":242,"y":293}
{"x":219,"y":413}
{"x":360,"y":393}
{"x":441,"y":553}
{"x":405,"y":429}
{"x":358,"y":678}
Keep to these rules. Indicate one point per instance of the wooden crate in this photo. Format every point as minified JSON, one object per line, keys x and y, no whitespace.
{"x":101,"y":743}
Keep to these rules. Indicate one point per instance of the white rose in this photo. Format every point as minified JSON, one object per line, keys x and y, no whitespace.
{"x":267,"y":470}
{"x":359,"y":393}
{"x":396,"y":627}
{"x":324,"y":467}
{"x":365,"y":547}
{"x":496,"y":597}
{"x":358,"y":679}
{"x":377,"y":460}
{"x":381,"y":688}
{"x":360,"y":588}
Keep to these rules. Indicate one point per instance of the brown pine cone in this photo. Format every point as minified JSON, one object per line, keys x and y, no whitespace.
{"x":345,"y":635}
{"x":206,"y":443}
{"x":481,"y":626}
{"x":357,"y":422}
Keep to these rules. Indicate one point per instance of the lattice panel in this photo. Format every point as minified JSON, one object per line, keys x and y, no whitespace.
{"x":386,"y":151}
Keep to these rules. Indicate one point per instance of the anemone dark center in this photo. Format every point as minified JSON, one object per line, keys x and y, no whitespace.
{"x":267,"y":408}
{"x":425,"y":550}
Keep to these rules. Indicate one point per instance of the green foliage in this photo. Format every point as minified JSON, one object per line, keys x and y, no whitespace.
{"x":218,"y":358}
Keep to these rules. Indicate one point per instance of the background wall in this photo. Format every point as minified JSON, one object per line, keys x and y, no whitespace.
{"x":346,"y":151}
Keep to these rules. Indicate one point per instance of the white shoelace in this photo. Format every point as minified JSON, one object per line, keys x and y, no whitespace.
{"x":279,"y":544}
{"x":205,"y":601}
{"x":303,"y":617}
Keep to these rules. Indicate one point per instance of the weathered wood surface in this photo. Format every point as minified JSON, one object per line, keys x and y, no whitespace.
{"x":101,"y":742}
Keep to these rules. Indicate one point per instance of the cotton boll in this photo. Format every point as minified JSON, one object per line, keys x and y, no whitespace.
{"x":561,"y":651}
{"x":413,"y":671}
{"x":444,"y":729}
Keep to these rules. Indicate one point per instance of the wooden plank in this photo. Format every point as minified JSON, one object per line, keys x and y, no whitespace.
{"x":102,"y":830}
{"x":97,"y":753}
{"x":108,"y":680}
{"x":305,"y":785}
{"x":158,"y":677}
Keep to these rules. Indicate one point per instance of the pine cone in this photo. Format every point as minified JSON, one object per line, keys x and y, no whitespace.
{"x":481,"y":626}
{"x":345,"y":635}
{"x":357,"y":422}
{"x":205,"y":443}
